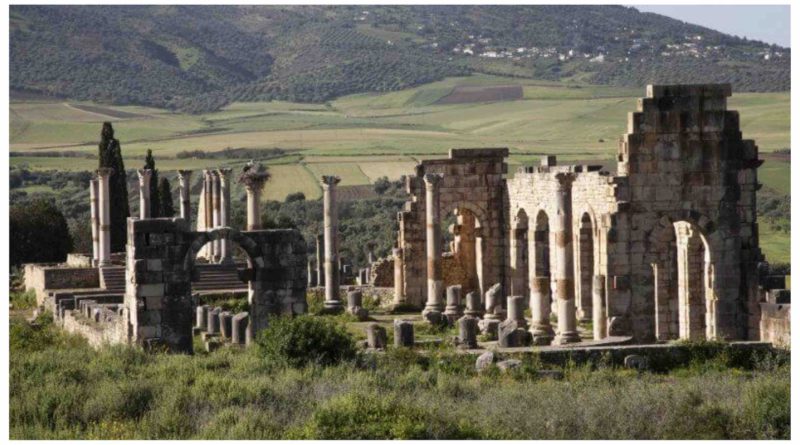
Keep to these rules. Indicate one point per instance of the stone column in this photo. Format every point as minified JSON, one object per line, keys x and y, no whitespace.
{"x":599,"y":306}
{"x":320,"y":260}
{"x":144,"y":192}
{"x":399,"y":285}
{"x":563,"y":270}
{"x":433,"y":245}
{"x":209,"y":211}
{"x":215,"y":214}
{"x":518,"y":272}
{"x":539,"y":288}
{"x":105,"y":216}
{"x":224,"y":175}
{"x":254,"y":184}
{"x":185,"y":179}
{"x":331,"y":224}
{"x":95,"y":214}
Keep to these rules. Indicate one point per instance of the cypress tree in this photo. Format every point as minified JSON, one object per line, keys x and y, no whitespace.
{"x":165,"y":194}
{"x":110,"y":155}
{"x":155,"y":198}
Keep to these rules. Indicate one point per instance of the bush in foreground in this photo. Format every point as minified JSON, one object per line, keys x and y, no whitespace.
{"x":306,"y":340}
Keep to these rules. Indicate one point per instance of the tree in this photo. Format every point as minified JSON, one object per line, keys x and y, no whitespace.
{"x":110,"y":155}
{"x":155,"y":197}
{"x":167,"y":210}
{"x":39,"y":233}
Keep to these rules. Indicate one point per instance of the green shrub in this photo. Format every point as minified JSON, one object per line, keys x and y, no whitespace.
{"x":767,"y":410}
{"x":306,"y":340}
{"x":375,"y":416}
{"x":23,"y":300}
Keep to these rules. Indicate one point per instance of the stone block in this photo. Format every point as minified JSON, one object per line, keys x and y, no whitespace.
{"x":212,"y":326}
{"x":201,"y":319}
{"x":637,"y":362}
{"x":376,"y":336}
{"x":239,"y":328}
{"x":468,"y":332}
{"x":511,"y":335}
{"x":484,"y":361}
{"x":509,"y":364}
{"x":225,"y":324}
{"x":473,"y":304}
{"x":490,"y":328}
{"x":403,"y":333}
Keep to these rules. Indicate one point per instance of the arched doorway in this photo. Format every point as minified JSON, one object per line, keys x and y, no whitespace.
{"x":519,"y":254}
{"x":466,"y":251}
{"x":584,"y":268}
{"x":694,"y":282}
{"x":539,"y":279}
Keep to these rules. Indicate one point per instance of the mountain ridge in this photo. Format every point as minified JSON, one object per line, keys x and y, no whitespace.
{"x":200,"y":58}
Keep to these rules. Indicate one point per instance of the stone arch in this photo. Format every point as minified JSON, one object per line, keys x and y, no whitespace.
{"x":466,"y":258}
{"x":519,"y":253}
{"x":682,"y":275}
{"x":202,"y":238}
{"x":585,"y":264}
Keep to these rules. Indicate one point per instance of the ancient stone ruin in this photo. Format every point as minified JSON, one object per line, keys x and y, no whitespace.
{"x":665,"y":248}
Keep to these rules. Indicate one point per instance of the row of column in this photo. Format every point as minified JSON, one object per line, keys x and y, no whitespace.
{"x":216,"y":196}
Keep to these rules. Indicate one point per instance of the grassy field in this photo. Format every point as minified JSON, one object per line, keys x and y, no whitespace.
{"x":60,"y":388}
{"x":363,"y":137}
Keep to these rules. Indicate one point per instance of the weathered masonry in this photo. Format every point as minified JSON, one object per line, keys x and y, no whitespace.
{"x":161,"y":261}
{"x":666,"y":248}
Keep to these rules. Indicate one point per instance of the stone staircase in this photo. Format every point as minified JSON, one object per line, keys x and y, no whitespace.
{"x":213,"y":278}
{"x":112,"y":279}
{"x":218,"y":278}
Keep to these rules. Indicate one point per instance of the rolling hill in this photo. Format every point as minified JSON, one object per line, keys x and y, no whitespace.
{"x":200,"y":58}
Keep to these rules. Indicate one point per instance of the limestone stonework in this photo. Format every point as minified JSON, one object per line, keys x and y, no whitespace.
{"x":665,"y":248}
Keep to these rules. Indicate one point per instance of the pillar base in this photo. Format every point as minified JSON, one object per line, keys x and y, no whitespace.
{"x":542,"y":335}
{"x":333,"y":307}
{"x":567,"y":337}
{"x":432,"y":313}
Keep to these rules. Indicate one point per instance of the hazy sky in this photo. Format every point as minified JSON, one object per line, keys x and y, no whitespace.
{"x":769,"y":23}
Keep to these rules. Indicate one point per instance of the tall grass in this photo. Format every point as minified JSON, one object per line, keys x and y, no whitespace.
{"x":61,"y":388}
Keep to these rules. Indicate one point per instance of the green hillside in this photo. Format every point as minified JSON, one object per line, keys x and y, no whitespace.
{"x":201,"y":58}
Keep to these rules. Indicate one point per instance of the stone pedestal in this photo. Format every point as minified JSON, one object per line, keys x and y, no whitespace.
{"x":453,"y":309}
{"x":473,"y":304}
{"x":213,"y":321}
{"x":331,"y":222}
{"x":468,"y":332}
{"x":239,"y":328}
{"x":516,"y":310}
{"x":225,"y":324}
{"x":403,"y":333}
{"x":494,"y":303}
{"x":376,"y":336}
{"x":201,"y":320}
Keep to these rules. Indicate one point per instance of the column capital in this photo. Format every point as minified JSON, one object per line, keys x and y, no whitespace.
{"x":224,"y":174}
{"x":144,"y":175}
{"x":329,"y":181}
{"x":104,"y":172}
{"x":254,"y":180}
{"x":565,"y":179}
{"x":433,"y":179}
{"x":184,"y":176}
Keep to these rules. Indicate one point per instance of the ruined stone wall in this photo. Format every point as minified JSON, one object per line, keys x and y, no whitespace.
{"x":472,"y":180}
{"x":776,"y":323}
{"x":96,"y":334}
{"x":44,"y":277}
{"x":684,"y":159}
{"x":160,"y":265}
{"x":381,"y":273}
